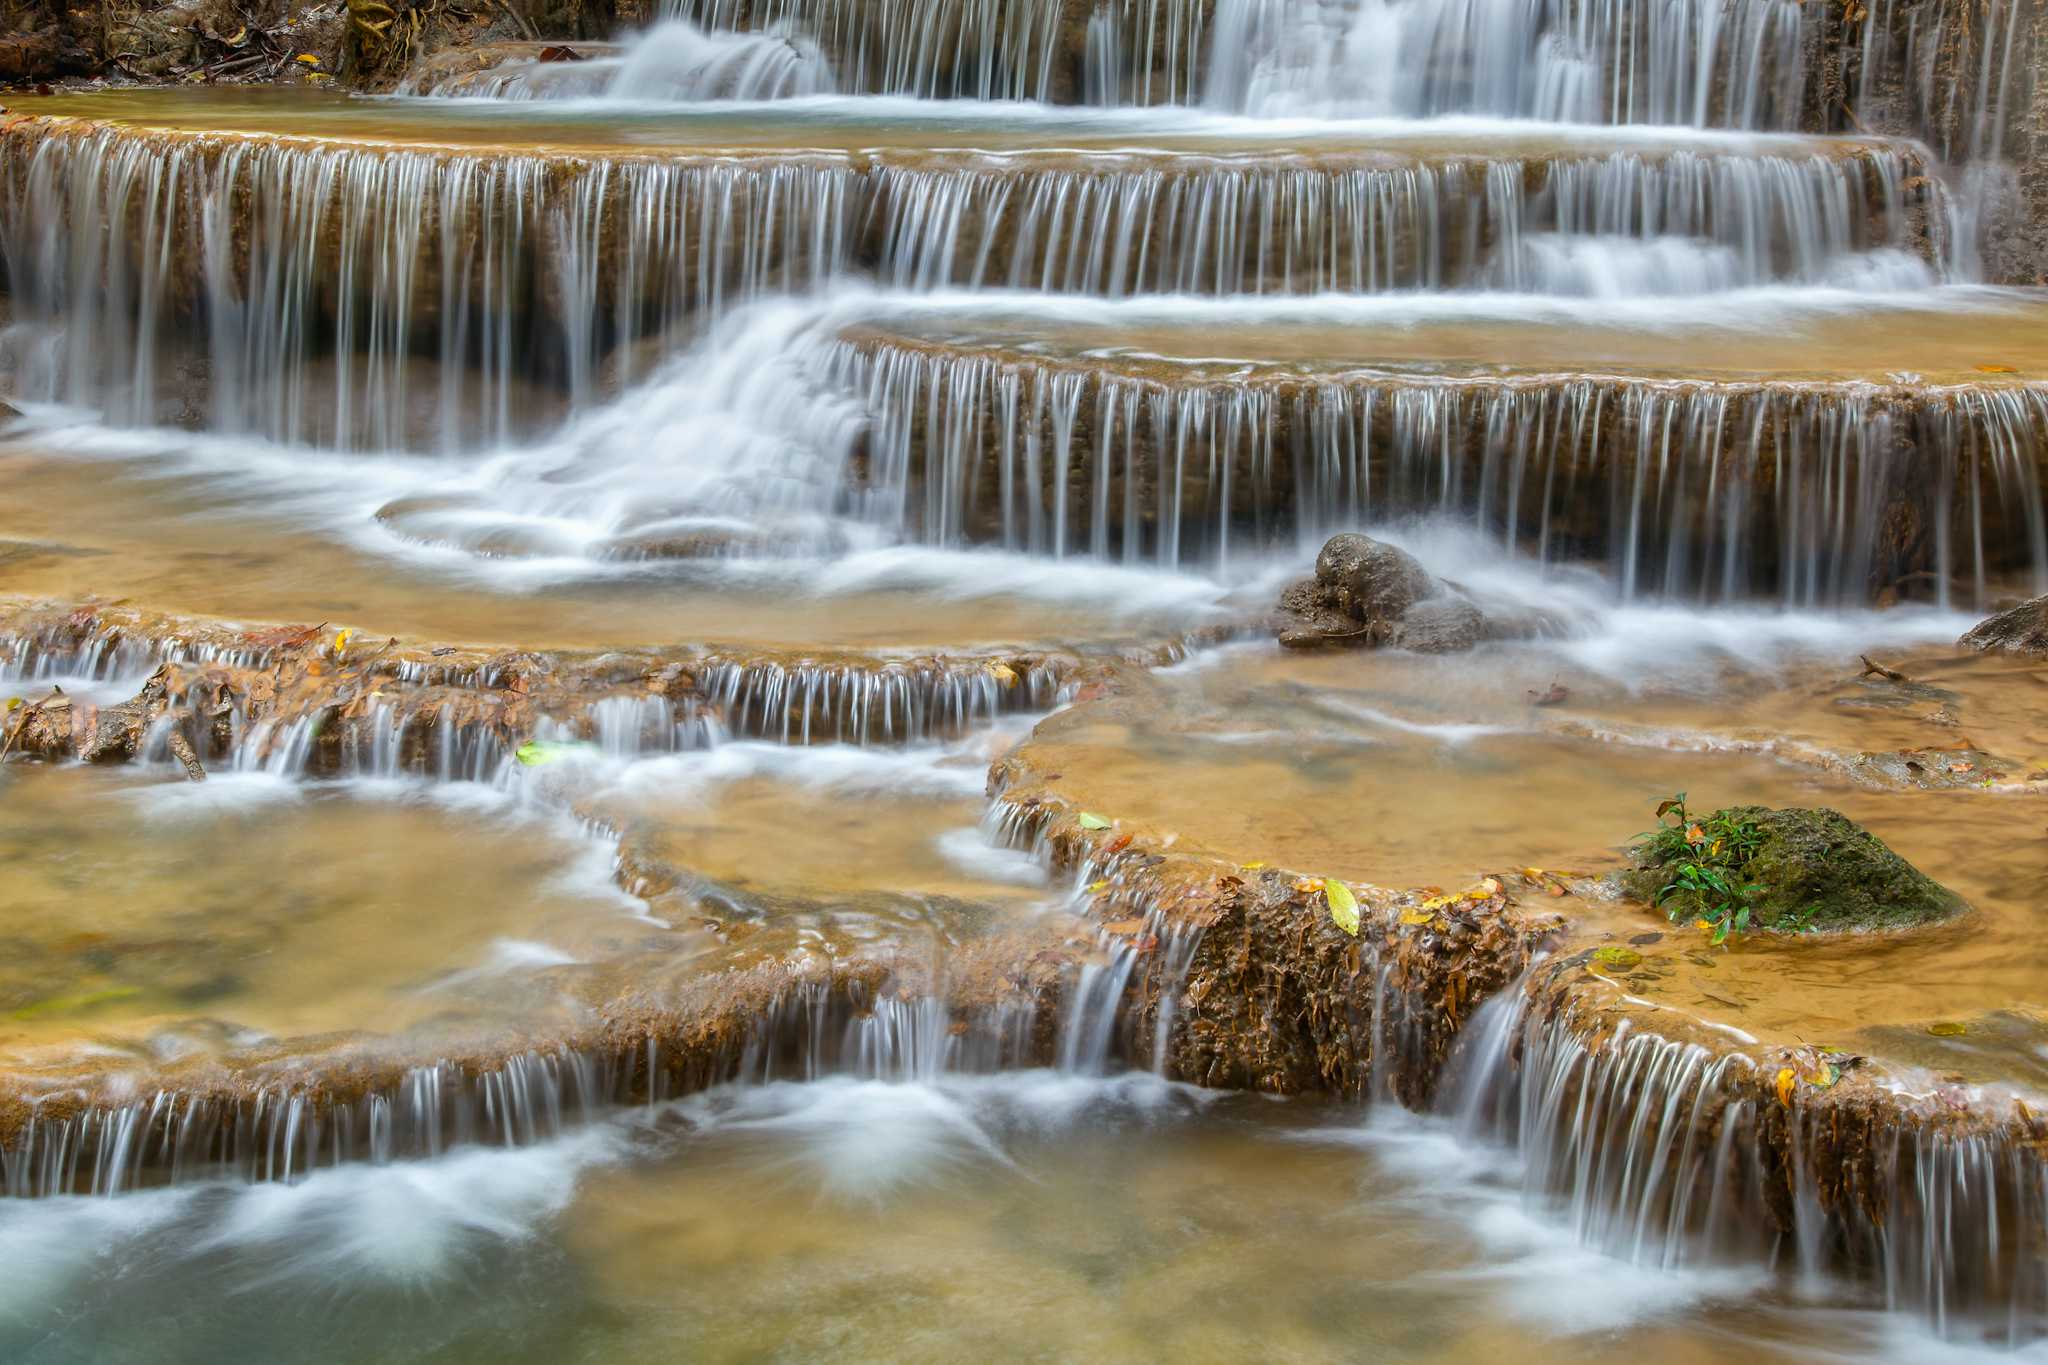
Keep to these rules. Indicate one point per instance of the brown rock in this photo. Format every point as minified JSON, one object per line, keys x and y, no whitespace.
{"x":2019,"y":630}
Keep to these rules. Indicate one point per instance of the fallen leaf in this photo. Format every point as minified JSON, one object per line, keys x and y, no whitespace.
{"x":1787,"y":1079}
{"x":1124,"y":927}
{"x":308,"y":59}
{"x":1620,"y":958}
{"x":1947,"y":1029}
{"x":1421,"y":916}
{"x":1996,"y":369}
{"x":284,"y":637}
{"x":73,"y":1004}
{"x":1096,"y":888}
{"x":1003,"y":674}
{"x":1308,"y":886}
{"x":537,"y":753}
{"x":1090,"y":820}
{"x":1343,"y":906}
{"x":1249,"y":867}
{"x":1118,"y":844}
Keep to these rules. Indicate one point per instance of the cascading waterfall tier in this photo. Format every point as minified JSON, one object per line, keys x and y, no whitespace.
{"x":1708,"y":63}
{"x":1723,"y":460}
{"x":1672,"y":1152}
{"x":380,"y":294}
{"x":968,"y":49}
{"x":1701,"y":62}
{"x":880,"y":1019}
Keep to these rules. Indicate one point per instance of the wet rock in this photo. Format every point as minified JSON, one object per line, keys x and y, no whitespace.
{"x":1442,"y":625}
{"x":2019,"y":630}
{"x":1370,"y":580}
{"x":1367,"y":592}
{"x":1816,"y":868}
{"x":8,"y":412}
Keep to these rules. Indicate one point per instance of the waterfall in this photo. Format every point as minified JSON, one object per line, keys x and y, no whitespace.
{"x":966,"y":49}
{"x":1661,"y":1153}
{"x":674,"y":62}
{"x":1700,"y":491}
{"x":1709,"y":63}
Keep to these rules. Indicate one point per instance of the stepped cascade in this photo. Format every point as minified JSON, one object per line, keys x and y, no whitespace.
{"x":875,"y":678}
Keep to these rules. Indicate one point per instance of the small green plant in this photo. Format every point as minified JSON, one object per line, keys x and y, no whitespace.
{"x":1706,"y":857}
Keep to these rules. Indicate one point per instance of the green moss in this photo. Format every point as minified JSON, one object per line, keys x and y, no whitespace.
{"x":1813,"y":869}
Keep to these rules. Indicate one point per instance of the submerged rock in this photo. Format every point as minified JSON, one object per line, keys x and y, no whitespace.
{"x":2018,"y":630}
{"x":1814,"y":869}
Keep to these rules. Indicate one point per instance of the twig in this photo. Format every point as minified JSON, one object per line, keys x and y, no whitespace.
{"x":1888,"y":674}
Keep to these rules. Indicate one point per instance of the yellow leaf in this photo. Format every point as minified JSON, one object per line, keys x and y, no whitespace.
{"x":1422,"y":916}
{"x":340,"y":642}
{"x":1620,"y":958}
{"x":1343,"y":906}
{"x":1308,"y":886}
{"x":1097,"y":888}
{"x":1947,"y":1029}
{"x":1485,"y":889}
{"x":308,"y":59}
{"x":1787,"y":1079}
{"x":1249,"y":867}
{"x":1003,"y":674}
{"x":1996,"y":369}
{"x":1532,"y":872}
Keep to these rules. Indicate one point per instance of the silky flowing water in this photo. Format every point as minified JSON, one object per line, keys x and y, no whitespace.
{"x":802,"y":455}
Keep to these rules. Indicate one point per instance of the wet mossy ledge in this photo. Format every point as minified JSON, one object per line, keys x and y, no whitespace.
{"x":344,"y":700}
{"x":1801,"y":870}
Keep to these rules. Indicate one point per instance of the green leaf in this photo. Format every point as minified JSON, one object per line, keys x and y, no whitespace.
{"x":1620,"y":958}
{"x":75,"y":1004}
{"x":1947,"y":1029}
{"x":1721,"y":932}
{"x":1090,"y":820}
{"x":1343,"y":905}
{"x":536,"y":753}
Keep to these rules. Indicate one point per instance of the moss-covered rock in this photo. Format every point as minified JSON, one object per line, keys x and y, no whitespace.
{"x":1814,"y":868}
